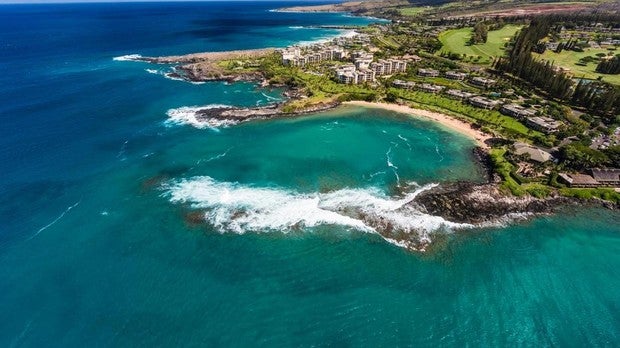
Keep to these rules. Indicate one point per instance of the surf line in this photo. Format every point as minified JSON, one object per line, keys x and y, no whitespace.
{"x":55,"y":220}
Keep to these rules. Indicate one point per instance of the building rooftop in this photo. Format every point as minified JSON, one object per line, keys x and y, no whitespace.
{"x":536,"y":154}
{"x":606,"y":175}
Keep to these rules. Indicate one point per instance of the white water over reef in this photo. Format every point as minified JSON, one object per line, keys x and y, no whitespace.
{"x":188,"y":115}
{"x":238,"y":208}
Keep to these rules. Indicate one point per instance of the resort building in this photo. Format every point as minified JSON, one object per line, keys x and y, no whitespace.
{"x":348,"y":74}
{"x":458,"y":94}
{"x":428,"y":72}
{"x":293,"y":56}
{"x":364,"y":75}
{"x":517,"y":111}
{"x":403,"y":84}
{"x":426,"y":87}
{"x":544,"y":124}
{"x":454,"y":75}
{"x":482,"y":82}
{"x":388,"y":67}
{"x":484,"y":103}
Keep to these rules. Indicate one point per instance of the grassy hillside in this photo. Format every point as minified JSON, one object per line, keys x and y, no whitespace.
{"x":569,"y":60}
{"x":456,"y":41}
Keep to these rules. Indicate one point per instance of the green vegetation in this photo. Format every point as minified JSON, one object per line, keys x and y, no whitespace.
{"x":607,"y":194}
{"x":413,"y":11}
{"x":457,"y":41}
{"x":490,"y":119}
{"x":480,"y":34}
{"x":574,"y":61}
{"x":504,"y":169}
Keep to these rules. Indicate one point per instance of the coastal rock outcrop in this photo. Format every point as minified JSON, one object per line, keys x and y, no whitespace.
{"x":466,"y":202}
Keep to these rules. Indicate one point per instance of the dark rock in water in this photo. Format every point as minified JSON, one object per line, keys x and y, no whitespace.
{"x":195,"y":218}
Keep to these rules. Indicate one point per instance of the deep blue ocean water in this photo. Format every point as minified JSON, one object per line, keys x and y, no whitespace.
{"x":99,"y":247}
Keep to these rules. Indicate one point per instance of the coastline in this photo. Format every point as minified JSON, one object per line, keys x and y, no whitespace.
{"x":454,"y":124}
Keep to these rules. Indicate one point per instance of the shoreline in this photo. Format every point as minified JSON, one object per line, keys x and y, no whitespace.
{"x":452,"y":123}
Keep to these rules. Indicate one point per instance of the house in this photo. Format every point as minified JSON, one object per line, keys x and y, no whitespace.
{"x":454,"y":75}
{"x":517,"y":111}
{"x":426,"y":87}
{"x":484,"y":103}
{"x":607,"y":177}
{"x":536,"y":154}
{"x":578,"y":180}
{"x":544,"y":124}
{"x":458,"y":94}
{"x":428,"y":72}
{"x":482,"y":82}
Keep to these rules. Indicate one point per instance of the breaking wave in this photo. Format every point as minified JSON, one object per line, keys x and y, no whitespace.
{"x":237,"y":208}
{"x":344,"y":33}
{"x":128,"y":57}
{"x":188,"y":115}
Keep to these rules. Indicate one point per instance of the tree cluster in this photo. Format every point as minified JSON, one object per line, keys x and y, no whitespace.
{"x":480,"y":34}
{"x":609,"y":66}
{"x":600,"y":98}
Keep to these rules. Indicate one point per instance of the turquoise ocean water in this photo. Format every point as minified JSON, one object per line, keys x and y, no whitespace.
{"x":103,"y":177}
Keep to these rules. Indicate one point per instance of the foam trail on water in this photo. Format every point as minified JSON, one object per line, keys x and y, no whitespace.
{"x":405,"y":140}
{"x":216,"y":157}
{"x":237,"y":208}
{"x":55,"y":220}
{"x":270,"y":97}
{"x":188,"y":115}
{"x":392,"y":166}
{"x":441,"y":158}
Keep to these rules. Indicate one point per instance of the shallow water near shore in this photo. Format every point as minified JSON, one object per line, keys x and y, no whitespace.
{"x":104,"y":240}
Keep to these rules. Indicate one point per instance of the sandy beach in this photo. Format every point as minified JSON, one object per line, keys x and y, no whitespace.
{"x":445,"y":120}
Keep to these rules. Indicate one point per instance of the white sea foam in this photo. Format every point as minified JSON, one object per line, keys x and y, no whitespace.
{"x":237,"y":208}
{"x":128,"y":57}
{"x":187,"y":115}
{"x":345,"y":33}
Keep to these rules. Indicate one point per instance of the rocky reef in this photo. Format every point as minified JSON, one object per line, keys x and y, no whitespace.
{"x":480,"y":204}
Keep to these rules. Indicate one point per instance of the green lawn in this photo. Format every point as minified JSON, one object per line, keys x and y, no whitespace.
{"x":413,"y":11}
{"x":568,"y":59}
{"x":456,"y":41}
